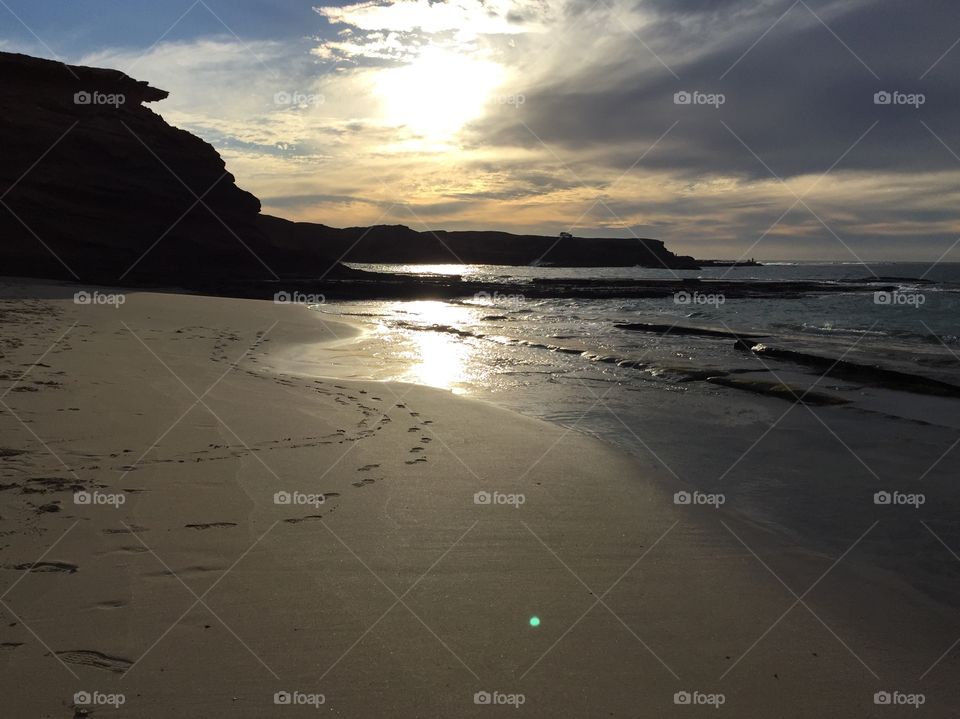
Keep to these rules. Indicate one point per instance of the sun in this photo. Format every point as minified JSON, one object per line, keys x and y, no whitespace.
{"x":436,"y":94}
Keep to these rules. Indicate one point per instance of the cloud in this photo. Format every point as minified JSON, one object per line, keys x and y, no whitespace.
{"x":467,"y":18}
{"x":541,"y":116}
{"x":798,"y":100}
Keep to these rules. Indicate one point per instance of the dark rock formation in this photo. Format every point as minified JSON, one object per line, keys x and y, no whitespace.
{"x":95,"y":186}
{"x":678,"y":330}
{"x":401,"y":244}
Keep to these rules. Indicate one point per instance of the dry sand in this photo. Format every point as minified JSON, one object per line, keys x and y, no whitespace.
{"x":399,"y":595}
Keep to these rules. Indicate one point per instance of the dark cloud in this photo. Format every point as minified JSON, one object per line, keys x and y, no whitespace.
{"x":688,"y":7}
{"x":799,"y":99}
{"x":512,"y":183}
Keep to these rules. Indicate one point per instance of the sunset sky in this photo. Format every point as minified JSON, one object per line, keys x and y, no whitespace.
{"x":549,"y":116}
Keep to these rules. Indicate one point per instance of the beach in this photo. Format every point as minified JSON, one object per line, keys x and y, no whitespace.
{"x":200,"y":516}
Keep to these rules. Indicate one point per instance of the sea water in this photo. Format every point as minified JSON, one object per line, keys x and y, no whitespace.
{"x":810,"y":473}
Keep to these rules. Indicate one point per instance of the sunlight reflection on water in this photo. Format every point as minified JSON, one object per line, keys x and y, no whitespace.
{"x":436,"y":358}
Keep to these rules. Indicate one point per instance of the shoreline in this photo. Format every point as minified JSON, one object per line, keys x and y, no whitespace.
{"x":390,"y":597}
{"x":873,"y":434}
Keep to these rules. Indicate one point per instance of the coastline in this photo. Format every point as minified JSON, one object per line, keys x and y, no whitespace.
{"x":389,"y":597}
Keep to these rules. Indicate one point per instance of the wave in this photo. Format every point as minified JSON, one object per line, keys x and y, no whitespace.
{"x":864,"y":373}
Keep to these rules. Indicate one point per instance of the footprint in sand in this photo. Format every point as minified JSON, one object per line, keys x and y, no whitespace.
{"x":132,"y":529}
{"x":418,"y":459}
{"x":131,"y":549}
{"x":425,"y":439}
{"x":367,"y":467}
{"x":297,"y":520}
{"x":196,"y":570}
{"x":417,"y":449}
{"x":47,"y":567}
{"x":55,"y":484}
{"x":363,"y":482}
{"x":111,"y":604}
{"x":98,"y":660}
{"x":211,"y":525}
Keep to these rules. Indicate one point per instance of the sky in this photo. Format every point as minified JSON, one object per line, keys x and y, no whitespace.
{"x":775,"y":129}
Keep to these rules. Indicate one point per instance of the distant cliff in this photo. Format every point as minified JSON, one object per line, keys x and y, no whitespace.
{"x":95,"y":186}
{"x":400,"y":244}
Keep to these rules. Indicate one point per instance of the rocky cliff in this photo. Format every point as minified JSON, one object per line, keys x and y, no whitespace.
{"x":97,"y":187}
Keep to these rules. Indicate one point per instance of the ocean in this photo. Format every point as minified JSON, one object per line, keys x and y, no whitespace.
{"x":810,"y":473}
{"x":495,"y":340}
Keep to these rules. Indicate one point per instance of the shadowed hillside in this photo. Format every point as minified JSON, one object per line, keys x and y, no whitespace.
{"x":397,"y":243}
{"x":97,"y":187}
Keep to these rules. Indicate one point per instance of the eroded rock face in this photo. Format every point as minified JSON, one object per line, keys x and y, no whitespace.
{"x":96,"y":186}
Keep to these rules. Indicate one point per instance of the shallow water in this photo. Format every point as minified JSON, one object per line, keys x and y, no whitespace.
{"x":807,"y":472}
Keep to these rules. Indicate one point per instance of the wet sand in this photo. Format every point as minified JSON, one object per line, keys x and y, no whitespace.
{"x":145,"y":551}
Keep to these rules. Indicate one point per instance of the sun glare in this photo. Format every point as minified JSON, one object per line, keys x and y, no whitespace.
{"x":436,"y":358}
{"x":438,"y":93}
